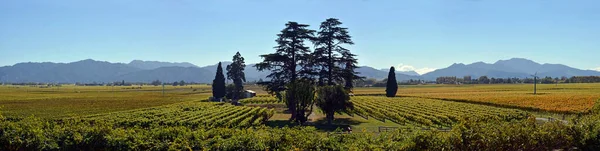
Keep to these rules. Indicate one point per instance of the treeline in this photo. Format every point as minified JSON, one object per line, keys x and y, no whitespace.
{"x":486,"y":80}
{"x":583,"y":79}
{"x":544,"y":80}
{"x":480,"y":80}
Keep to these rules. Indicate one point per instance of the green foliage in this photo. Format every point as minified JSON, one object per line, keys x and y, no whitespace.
{"x":329,"y":54}
{"x":300,"y":96}
{"x":235,"y":72}
{"x":259,"y":100}
{"x":290,"y":60}
{"x":518,"y":135}
{"x":392,"y":86}
{"x":218,"y":85}
{"x":230,"y":91}
{"x":428,"y":112}
{"x":190,"y":114}
{"x":156,"y":83}
{"x":331,"y":99}
{"x":583,"y":79}
{"x":75,"y":134}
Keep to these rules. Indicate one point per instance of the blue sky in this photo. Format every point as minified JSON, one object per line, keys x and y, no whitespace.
{"x":417,"y":34}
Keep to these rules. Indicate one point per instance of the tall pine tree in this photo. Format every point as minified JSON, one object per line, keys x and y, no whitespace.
{"x":392,"y":85}
{"x":218,"y":85}
{"x":329,"y":51}
{"x":337,"y":66}
{"x":235,"y":72}
{"x":348,"y":73}
{"x":289,"y":62}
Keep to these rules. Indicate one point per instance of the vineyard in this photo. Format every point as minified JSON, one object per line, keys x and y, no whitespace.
{"x":191,"y":114}
{"x":71,"y":100}
{"x":561,"y":98}
{"x":439,"y":117}
{"x":260,"y":100}
{"x":418,"y":112}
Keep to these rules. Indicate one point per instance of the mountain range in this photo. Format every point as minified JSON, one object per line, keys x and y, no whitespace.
{"x":515,"y":67}
{"x":88,"y":71}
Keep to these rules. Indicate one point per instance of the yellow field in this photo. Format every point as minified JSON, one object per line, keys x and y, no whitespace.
{"x":70,"y":100}
{"x":571,"y":98}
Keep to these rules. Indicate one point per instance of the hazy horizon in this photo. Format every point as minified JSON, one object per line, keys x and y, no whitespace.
{"x":410,"y":35}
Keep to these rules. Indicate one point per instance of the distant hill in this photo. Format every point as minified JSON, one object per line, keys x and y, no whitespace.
{"x":88,"y":71}
{"x":157,"y":64}
{"x":515,"y":67}
{"x":410,"y":73}
{"x":80,"y":71}
{"x":169,"y":74}
{"x":370,"y":72}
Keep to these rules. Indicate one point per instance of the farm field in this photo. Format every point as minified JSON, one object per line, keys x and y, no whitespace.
{"x":123,"y":118}
{"x":371,"y":112}
{"x":71,"y":100}
{"x":560,"y":98}
{"x":190,"y":114}
{"x":418,"y":112}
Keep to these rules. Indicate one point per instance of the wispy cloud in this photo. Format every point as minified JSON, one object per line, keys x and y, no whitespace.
{"x":597,"y":69}
{"x":421,"y":71}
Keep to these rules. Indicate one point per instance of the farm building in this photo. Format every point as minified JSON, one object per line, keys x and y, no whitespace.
{"x":249,"y":94}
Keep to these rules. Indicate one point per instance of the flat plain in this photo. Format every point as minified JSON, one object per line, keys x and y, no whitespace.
{"x":181,"y":117}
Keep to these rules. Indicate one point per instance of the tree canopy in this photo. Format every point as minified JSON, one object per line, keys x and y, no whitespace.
{"x":329,"y":64}
{"x":218,"y":85}
{"x":392,"y":84}
{"x":289,"y":62}
{"x":331,"y":99}
{"x":235,"y":72}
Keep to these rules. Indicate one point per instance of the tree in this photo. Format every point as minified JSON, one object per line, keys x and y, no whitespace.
{"x":230,"y":90}
{"x":175,"y":83}
{"x":484,"y":80}
{"x":328,"y":53}
{"x":302,"y":92}
{"x":467,"y":79}
{"x":156,"y":83}
{"x":218,"y":85}
{"x":289,"y":62}
{"x":348,"y":72}
{"x":331,"y":99}
{"x":392,"y":86}
{"x":235,"y":72}
{"x":181,"y":83}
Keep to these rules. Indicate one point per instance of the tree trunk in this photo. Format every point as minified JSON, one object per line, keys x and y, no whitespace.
{"x":293,"y":109}
{"x":329,"y":117}
{"x":330,"y":62}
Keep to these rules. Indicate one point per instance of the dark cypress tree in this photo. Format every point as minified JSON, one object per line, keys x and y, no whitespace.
{"x":392,"y":84}
{"x":235,"y":72}
{"x":218,"y":85}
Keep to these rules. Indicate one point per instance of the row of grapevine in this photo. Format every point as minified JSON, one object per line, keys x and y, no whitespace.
{"x":259,"y":100}
{"x":191,"y":114}
{"x":428,"y":112}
